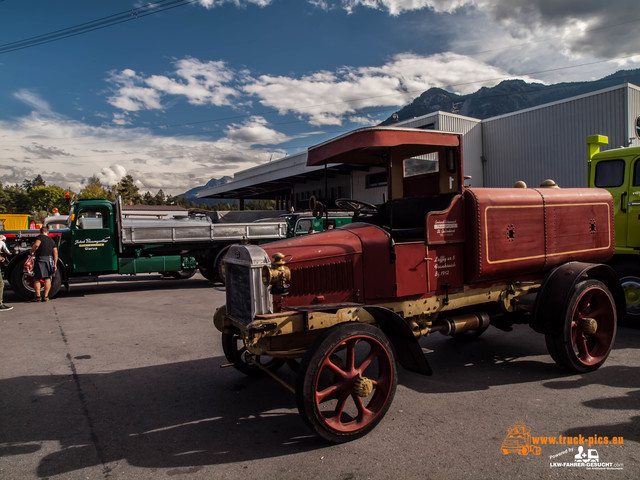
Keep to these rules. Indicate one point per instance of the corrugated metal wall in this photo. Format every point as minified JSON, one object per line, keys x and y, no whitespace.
{"x":550,"y":141}
{"x":359,"y":188}
{"x":471,"y":144}
{"x":471,"y":130}
{"x":634,"y":113}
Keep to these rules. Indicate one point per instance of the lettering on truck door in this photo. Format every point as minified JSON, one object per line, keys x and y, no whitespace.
{"x":92,"y":247}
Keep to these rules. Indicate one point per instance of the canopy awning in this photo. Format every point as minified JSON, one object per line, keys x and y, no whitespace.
{"x":370,"y":145}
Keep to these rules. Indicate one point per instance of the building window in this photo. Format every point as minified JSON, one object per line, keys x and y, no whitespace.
{"x":420,"y":165}
{"x":373,"y":180}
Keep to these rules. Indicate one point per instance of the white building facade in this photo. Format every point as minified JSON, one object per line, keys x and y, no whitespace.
{"x":548,"y":141}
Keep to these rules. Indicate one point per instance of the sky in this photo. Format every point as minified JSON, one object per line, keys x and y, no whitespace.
{"x":177,"y":92}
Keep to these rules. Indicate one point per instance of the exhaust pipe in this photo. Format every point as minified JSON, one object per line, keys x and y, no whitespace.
{"x":454,"y":325}
{"x":463,"y":323}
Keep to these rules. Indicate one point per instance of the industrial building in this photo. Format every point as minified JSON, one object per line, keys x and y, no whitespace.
{"x":548,"y":141}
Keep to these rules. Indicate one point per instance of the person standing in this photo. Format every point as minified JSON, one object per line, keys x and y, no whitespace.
{"x":3,"y":249}
{"x":45,"y":263}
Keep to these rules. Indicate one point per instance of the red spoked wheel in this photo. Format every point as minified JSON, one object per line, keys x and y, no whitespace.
{"x":589,"y":329}
{"x":346,"y":381}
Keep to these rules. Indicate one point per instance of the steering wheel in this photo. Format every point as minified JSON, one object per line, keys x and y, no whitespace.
{"x":357,"y":206}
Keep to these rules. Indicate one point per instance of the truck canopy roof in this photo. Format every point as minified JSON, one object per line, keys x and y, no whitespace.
{"x":619,"y":152}
{"x":370,"y":145}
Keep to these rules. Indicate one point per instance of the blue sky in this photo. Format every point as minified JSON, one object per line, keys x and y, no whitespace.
{"x":177,"y":97}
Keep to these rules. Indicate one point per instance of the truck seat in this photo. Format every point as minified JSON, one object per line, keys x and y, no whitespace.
{"x":406,"y":217}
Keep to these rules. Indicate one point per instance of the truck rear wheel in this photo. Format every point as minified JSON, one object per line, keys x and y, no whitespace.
{"x":346,"y":381}
{"x":236,"y":353}
{"x":219,"y":264}
{"x":629,"y":275}
{"x":183,"y":274}
{"x":208,"y":272}
{"x":22,"y":283}
{"x":588,"y":330}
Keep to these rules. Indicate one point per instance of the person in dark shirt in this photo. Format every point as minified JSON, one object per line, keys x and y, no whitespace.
{"x":45,"y":264}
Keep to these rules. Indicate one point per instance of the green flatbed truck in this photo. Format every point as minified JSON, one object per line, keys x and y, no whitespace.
{"x":100,"y":241}
{"x":618,"y":170}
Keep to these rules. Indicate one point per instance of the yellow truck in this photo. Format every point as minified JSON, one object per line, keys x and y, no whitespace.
{"x":14,"y":221}
{"x":618,"y":170}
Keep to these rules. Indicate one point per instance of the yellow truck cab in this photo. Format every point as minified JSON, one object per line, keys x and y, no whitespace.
{"x":618,"y":170}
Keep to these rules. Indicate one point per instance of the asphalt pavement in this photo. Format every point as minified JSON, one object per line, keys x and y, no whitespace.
{"x":121,"y":378}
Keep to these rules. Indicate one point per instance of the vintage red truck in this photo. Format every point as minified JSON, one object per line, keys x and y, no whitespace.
{"x":343,"y":307}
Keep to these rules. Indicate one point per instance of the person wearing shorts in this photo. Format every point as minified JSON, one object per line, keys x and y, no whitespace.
{"x":5,"y":250}
{"x":44,"y":266}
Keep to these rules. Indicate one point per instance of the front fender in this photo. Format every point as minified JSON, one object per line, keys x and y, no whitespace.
{"x":407,"y":348}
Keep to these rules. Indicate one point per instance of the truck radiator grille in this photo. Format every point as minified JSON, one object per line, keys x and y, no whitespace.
{"x":239,"y":292}
{"x":325,"y":278}
{"x":246,"y":294}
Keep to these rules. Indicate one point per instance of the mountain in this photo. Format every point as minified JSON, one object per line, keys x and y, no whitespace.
{"x":508,"y":96}
{"x":214,"y":182}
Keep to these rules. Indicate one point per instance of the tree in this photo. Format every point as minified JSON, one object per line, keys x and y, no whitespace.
{"x":18,"y":200}
{"x":29,"y":185}
{"x":260,"y":205}
{"x":94,"y":189}
{"x":127,"y":189}
{"x":159,"y":199}
{"x":44,"y":199}
{"x":4,"y":200}
{"x":221,"y":206}
{"x":147,"y":198}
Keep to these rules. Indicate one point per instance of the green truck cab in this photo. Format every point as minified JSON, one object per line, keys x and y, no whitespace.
{"x":306,"y":222}
{"x":618,"y":170}
{"x":89,"y":245}
{"x":99,"y":240}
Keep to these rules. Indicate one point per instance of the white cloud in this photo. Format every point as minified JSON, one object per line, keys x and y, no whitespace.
{"x":121,"y":119}
{"x":43,"y":152}
{"x":68,"y":152}
{"x":589,"y":28}
{"x":322,"y":4}
{"x":201,"y":83}
{"x":237,"y":3}
{"x":130,"y":96}
{"x":395,"y":7}
{"x":579,"y":29}
{"x":321,"y":98}
{"x":111,"y":175}
{"x":254,"y":132}
{"x":33,"y":100}
{"x":326,"y":97}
